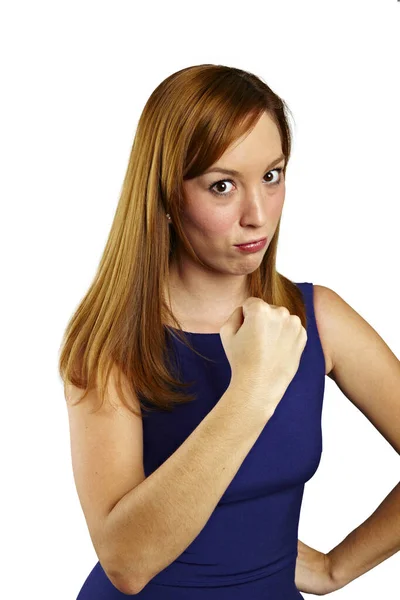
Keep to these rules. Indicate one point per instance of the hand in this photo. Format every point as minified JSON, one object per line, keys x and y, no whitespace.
{"x":313,"y":574}
{"x":263,"y":344}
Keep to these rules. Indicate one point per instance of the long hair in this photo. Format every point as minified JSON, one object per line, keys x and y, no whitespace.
{"x":188,"y":122}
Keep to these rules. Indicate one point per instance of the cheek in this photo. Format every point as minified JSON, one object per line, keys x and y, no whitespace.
{"x":212,"y":222}
{"x":276,"y":204}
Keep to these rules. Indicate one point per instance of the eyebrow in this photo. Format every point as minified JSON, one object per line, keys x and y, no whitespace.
{"x":234,"y":172}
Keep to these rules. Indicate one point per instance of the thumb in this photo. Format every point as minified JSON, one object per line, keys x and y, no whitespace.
{"x":234,"y":322}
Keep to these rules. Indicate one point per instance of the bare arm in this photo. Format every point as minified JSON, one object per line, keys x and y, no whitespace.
{"x":175,"y":502}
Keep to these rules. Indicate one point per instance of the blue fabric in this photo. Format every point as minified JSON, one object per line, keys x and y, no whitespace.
{"x":248,"y":547}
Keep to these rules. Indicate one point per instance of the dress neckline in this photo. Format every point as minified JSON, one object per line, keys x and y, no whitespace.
{"x":197,"y":333}
{"x":192,"y":332}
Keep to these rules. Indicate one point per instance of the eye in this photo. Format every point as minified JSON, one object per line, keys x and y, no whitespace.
{"x":270,"y":183}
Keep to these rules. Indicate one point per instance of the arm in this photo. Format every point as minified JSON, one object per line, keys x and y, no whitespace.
{"x":368,"y":374}
{"x":175,"y":502}
{"x":372,"y":542}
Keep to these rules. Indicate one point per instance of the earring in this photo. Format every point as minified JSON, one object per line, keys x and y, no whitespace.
{"x":168,"y":217}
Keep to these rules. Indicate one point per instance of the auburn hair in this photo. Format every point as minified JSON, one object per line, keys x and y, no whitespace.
{"x":188,"y":122}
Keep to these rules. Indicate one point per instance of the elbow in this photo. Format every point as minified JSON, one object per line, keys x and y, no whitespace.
{"x":132,"y":588}
{"x":135,"y":589}
{"x":123,"y":585}
{"x":120,"y":573}
{"x":120,"y":577}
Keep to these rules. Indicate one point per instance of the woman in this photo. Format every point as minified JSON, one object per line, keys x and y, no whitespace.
{"x":194,"y":495}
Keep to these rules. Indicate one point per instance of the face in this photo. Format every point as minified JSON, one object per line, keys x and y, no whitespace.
{"x":222,"y":210}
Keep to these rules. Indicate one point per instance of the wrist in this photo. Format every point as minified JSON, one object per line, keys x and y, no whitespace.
{"x":255,"y":399}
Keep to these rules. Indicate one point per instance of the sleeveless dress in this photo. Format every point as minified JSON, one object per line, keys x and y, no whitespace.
{"x":248,"y":547}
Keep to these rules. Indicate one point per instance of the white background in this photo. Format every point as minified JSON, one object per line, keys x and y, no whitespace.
{"x":75,"y":77}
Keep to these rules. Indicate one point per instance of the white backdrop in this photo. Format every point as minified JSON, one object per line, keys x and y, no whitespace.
{"x":75,"y":78}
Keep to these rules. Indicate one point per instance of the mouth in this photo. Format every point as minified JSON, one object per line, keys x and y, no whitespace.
{"x":251,"y":242}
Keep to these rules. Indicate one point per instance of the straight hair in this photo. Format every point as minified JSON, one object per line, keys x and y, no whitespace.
{"x":188,"y":122}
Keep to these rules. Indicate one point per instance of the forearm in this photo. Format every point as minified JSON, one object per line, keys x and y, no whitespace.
{"x":372,"y":542}
{"x":156,"y":521}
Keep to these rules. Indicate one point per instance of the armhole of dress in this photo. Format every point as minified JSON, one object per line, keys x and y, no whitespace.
{"x":312,"y":321}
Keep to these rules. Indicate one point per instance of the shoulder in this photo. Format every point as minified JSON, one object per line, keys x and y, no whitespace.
{"x":325,"y":301}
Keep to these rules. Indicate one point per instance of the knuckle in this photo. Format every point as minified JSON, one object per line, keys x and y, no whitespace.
{"x":283,"y":312}
{"x":295,"y":319}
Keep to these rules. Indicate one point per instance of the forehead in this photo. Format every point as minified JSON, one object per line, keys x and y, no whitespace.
{"x":258,"y":148}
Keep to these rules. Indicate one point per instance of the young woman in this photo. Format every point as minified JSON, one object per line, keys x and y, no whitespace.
{"x":197,"y":494}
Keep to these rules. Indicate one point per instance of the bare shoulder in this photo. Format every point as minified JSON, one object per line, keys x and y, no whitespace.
{"x":323,"y":298}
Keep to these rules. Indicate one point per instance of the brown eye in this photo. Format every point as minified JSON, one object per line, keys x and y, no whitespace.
{"x":222,"y":181}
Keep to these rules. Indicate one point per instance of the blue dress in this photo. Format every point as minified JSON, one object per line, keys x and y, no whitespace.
{"x":248,"y":547}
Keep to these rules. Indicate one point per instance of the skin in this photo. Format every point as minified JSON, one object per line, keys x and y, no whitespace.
{"x":249,"y":209}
